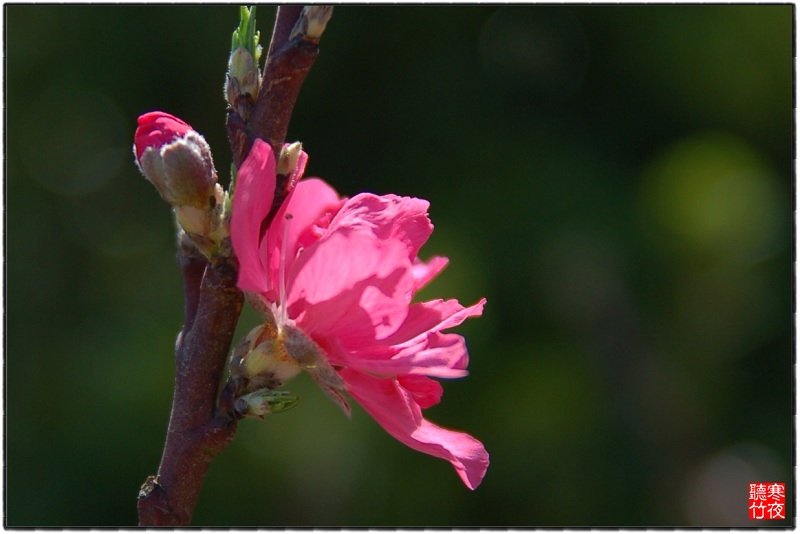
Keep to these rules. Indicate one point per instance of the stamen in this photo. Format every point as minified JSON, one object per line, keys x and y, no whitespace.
{"x":282,"y":313}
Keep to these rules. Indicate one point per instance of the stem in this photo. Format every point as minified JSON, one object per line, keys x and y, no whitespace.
{"x":200,"y":426}
{"x":195,"y":435}
{"x":285,"y":19}
{"x":192,"y":265}
{"x":279,"y":89}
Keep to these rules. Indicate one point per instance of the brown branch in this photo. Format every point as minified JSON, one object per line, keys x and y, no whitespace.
{"x":285,"y":19}
{"x":192,"y":265}
{"x":199,"y":429}
{"x":195,"y":435}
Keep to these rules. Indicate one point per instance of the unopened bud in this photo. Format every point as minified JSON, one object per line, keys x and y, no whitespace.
{"x":156,"y":129}
{"x":287,"y":161}
{"x":312,"y":22}
{"x":243,"y":79}
{"x":264,"y":402}
{"x":176,"y":159}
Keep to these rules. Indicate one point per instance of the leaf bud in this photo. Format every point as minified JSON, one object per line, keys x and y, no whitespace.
{"x":243,"y":78}
{"x":312,"y":22}
{"x":263,"y":402}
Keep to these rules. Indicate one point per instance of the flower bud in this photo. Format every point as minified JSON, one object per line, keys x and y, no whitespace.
{"x":176,"y":160}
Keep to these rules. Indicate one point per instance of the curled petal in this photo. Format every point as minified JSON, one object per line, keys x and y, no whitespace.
{"x":424,"y":272}
{"x":439,"y":355}
{"x":252,"y":201}
{"x":396,"y":410}
{"x":435,"y":315}
{"x":310,"y":201}
{"x":426,"y":391}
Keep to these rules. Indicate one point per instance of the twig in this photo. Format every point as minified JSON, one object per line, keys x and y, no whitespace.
{"x":195,"y":436}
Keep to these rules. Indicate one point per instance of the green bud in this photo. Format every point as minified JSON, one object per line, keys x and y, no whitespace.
{"x":243,"y":78}
{"x":245,"y":35}
{"x":264,"y":402}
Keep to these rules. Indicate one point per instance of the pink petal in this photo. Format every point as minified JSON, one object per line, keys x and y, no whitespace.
{"x":435,"y":315}
{"x":424,"y":272}
{"x":156,"y":129}
{"x":426,"y":391}
{"x":351,"y":286}
{"x":397,"y":412}
{"x":439,"y":355}
{"x":310,"y":200}
{"x":252,"y":201}
{"x":388,"y":217}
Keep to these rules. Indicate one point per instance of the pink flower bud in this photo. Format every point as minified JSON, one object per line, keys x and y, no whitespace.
{"x":176,"y":159}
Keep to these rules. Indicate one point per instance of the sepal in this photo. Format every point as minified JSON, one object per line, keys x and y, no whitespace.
{"x":262,"y":361}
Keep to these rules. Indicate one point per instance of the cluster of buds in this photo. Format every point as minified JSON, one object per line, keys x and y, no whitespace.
{"x":177,"y":161}
{"x":244,"y":77}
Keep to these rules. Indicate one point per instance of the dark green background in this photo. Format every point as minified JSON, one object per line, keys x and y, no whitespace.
{"x":617,"y":181}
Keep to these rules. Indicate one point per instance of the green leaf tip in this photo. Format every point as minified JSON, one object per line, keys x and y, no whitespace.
{"x":245,"y":35}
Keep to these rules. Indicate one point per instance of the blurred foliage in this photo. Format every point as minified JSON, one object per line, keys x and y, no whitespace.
{"x":616,"y":180}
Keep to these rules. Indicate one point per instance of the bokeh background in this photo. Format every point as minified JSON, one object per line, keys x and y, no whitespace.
{"x":617,"y":181}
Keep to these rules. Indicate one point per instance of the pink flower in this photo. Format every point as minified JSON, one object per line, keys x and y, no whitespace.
{"x":343,"y":273}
